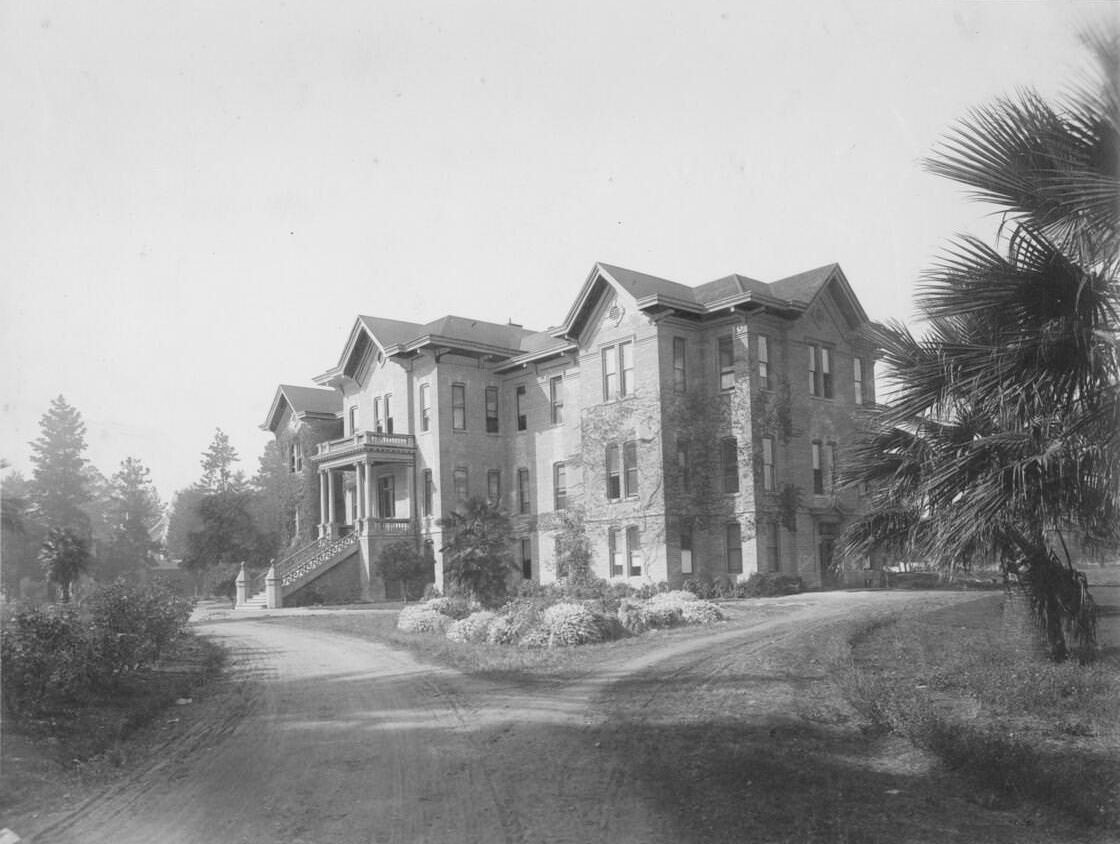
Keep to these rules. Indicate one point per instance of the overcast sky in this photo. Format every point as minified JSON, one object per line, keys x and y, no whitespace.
{"x":197,"y":198}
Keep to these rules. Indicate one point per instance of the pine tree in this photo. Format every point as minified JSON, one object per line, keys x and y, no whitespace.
{"x":59,"y":487}
{"x":133,"y":511}
{"x":218,"y":474}
{"x":277,"y":496}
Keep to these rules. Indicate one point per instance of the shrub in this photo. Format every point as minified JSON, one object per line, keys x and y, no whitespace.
{"x":538,"y":637}
{"x":422,"y":618}
{"x":521,"y":615}
{"x":42,"y":659}
{"x":700,"y":612}
{"x":570,"y":624}
{"x":454,"y":608}
{"x":473,"y":628}
{"x":770,"y":585}
{"x":130,"y":627}
{"x":700,"y":588}
{"x":675,"y":597}
{"x":632,"y":616}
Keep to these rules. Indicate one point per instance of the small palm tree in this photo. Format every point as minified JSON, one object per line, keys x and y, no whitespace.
{"x":479,"y":560}
{"x":1001,"y":439}
{"x":64,"y":556}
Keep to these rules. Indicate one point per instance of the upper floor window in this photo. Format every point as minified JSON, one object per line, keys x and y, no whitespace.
{"x":684,"y":462}
{"x":295,"y":457}
{"x":768,"y":464}
{"x":425,"y":407}
{"x":377,"y":414}
{"x":459,"y":479}
{"x":559,"y":486}
{"x":729,"y":462}
{"x":820,"y":372}
{"x":725,"y":352}
{"x":773,"y":550}
{"x":388,"y":413}
{"x":630,"y":468}
{"x":618,"y":370}
{"x":829,"y":458}
{"x":491,"y":410}
{"x":680,"y":371}
{"x":494,"y":487}
{"x":763,"y":362}
{"x":818,"y":469}
{"x":857,"y":378}
{"x":614,"y":473}
{"x":523,"y":491}
{"x":734,"y":544}
{"x":459,"y":407}
{"x":556,"y":398}
{"x":352,"y":419}
{"x":519,"y":408}
{"x":634,"y":551}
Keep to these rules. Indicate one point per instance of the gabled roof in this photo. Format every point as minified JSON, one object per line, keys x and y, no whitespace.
{"x":803,"y":287}
{"x":305,"y":402}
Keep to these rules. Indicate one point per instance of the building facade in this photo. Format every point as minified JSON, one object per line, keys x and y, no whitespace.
{"x":688,"y":431}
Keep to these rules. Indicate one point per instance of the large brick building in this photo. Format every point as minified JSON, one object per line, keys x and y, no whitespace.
{"x":695,"y":431}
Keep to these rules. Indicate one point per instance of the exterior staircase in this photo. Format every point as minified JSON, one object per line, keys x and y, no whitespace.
{"x":299,"y":568}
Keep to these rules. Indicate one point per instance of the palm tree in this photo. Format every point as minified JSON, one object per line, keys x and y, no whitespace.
{"x":1001,"y":438}
{"x":479,"y":552}
{"x":64,"y":555}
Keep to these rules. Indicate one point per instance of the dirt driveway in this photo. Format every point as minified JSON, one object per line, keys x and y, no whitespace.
{"x":335,"y":739}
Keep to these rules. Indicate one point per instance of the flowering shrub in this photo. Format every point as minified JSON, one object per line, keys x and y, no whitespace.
{"x":676,"y":597}
{"x":519,"y":616}
{"x":131,"y":626}
{"x":42,"y":657}
{"x":538,"y":637}
{"x":454,"y":608}
{"x":422,"y":618}
{"x":700,"y":612}
{"x":473,"y":628}
{"x":632,"y":617}
{"x":570,"y":624}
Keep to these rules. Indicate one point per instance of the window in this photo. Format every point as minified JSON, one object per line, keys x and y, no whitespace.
{"x":686,"y":547}
{"x":768,"y":464}
{"x":295,"y":457}
{"x":820,"y":372}
{"x":818,"y":472}
{"x":494,"y":487}
{"x":684,"y":462}
{"x":377,"y":414}
{"x":633,"y":552}
{"x":726,"y":354}
{"x":388,"y":414}
{"x":519,"y":408}
{"x":559,"y":486}
{"x":459,"y":407}
{"x":352,"y":419}
{"x":428,"y":492}
{"x":734,"y":548}
{"x":523,"y":490}
{"x":559,"y":559}
{"x":763,"y":363}
{"x":386,"y":497}
{"x":857,"y":378}
{"x":618,"y":371}
{"x":425,"y":407}
{"x":460,"y":482}
{"x":829,"y":467}
{"x":556,"y":398}
{"x":729,"y":462}
{"x":614,"y":476}
{"x":680,"y":372}
{"x":491,"y":410}
{"x":614,"y":553}
{"x":773,"y":549}
{"x":527,"y":559}
{"x":630,"y":468}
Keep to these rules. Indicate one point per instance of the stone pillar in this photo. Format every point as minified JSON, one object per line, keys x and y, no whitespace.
{"x":242,"y":586}
{"x":273,"y":595}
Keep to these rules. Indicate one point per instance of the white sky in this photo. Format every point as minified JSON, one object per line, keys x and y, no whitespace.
{"x":199,"y":197}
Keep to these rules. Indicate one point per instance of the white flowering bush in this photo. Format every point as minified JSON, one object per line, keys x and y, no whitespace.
{"x":571,"y":624}
{"x":632,"y":616}
{"x":536,"y":637}
{"x":700,"y":612}
{"x":473,"y":628}
{"x":455,"y":608}
{"x":421,"y":618}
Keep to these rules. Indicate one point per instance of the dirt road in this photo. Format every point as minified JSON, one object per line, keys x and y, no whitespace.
{"x":335,"y":739}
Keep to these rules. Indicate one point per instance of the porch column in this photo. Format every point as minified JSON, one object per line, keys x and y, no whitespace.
{"x":330,"y":498}
{"x":322,"y":502}
{"x":369,"y":493}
